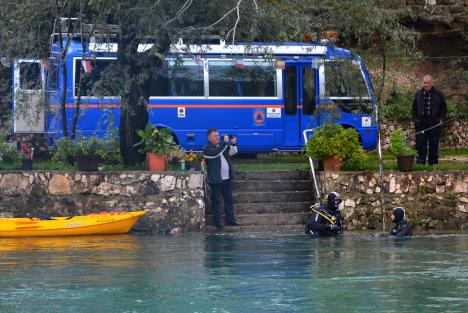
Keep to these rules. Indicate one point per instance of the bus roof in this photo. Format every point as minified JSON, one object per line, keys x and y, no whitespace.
{"x":222,"y":48}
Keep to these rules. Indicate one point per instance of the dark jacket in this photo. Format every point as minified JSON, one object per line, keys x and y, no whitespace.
{"x":402,"y":229}
{"x":438,"y":105}
{"x":213,"y":163}
{"x":320,"y":220}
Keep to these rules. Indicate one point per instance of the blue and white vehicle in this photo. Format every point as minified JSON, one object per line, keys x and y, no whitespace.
{"x":265,"y":94}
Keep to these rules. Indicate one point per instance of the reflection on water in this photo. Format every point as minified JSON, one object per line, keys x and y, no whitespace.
{"x":234,"y":273}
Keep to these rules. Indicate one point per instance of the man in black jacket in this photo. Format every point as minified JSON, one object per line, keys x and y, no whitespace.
{"x":220,"y":172}
{"x":328,"y":221}
{"x":402,"y":227}
{"x":429,"y":108}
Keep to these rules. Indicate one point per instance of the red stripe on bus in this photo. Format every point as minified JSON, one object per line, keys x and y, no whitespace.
{"x":170,"y":106}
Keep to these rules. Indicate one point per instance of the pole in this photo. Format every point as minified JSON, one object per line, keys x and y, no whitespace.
{"x":381,"y":167}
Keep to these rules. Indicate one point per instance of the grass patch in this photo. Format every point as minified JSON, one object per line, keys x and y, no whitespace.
{"x":269,"y":162}
{"x":454,"y":152}
{"x":271,"y":167}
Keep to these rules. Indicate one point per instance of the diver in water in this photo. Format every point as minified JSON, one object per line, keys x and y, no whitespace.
{"x":326,"y":221}
{"x":402,"y":227}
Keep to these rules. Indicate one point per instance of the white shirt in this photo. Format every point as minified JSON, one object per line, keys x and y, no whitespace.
{"x":224,"y":168}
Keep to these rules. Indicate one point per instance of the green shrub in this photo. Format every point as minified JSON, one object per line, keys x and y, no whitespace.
{"x":335,"y":140}
{"x":398,"y":144}
{"x":106,"y":149}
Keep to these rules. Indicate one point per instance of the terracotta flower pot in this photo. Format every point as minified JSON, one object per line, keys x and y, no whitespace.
{"x":156,"y":162}
{"x":405,"y":162}
{"x":330,"y":163}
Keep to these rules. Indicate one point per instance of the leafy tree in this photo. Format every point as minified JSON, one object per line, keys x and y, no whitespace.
{"x":25,"y":27}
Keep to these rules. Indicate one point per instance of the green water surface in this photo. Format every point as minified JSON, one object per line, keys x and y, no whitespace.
{"x":234,"y":273}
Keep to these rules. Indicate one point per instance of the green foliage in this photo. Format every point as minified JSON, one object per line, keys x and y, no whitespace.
{"x":7,"y":153}
{"x":156,"y":140}
{"x":398,"y":143}
{"x":106,"y":149}
{"x":335,"y":140}
{"x":398,"y":108}
{"x":64,"y":150}
{"x":176,"y":153}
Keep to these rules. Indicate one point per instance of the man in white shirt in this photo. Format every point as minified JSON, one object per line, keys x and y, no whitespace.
{"x":220,"y":172}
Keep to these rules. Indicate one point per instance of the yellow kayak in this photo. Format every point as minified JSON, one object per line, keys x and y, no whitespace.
{"x":93,"y":224}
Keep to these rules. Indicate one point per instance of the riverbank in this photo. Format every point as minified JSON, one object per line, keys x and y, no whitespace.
{"x":434,"y":200}
{"x":170,"y":198}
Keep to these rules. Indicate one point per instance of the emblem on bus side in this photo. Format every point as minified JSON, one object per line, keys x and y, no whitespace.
{"x":181,"y":112}
{"x":259,"y":117}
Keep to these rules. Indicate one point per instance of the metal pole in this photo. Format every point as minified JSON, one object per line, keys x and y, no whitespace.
{"x":381,"y":167}
{"x":312,"y":169}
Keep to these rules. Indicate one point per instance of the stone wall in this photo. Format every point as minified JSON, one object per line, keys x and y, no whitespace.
{"x":171,"y":198}
{"x":454,"y":133}
{"x":433,"y":200}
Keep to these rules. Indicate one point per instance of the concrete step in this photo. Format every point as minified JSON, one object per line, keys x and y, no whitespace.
{"x":267,"y":208}
{"x":271,"y":185}
{"x":280,"y":175}
{"x":292,"y":229}
{"x":272,"y":197}
{"x":265,"y":219}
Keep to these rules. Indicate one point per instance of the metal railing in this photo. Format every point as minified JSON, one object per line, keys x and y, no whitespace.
{"x":312,"y":168}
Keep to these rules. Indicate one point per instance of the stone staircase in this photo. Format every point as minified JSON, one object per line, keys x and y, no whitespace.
{"x":269,"y":201}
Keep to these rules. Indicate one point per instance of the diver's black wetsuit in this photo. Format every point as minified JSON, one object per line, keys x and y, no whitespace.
{"x":319,"y":224}
{"x":325,"y":222}
{"x":402,"y":229}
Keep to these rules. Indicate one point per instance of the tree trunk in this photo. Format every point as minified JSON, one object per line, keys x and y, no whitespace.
{"x":133,"y":110}
{"x":63,"y":100}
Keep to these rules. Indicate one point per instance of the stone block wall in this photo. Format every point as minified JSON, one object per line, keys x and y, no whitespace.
{"x":454,"y":133}
{"x":432,"y":200}
{"x":170,"y":198}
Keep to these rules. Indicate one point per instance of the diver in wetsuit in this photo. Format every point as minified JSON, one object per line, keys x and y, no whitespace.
{"x":402,"y":227}
{"x":326,"y":221}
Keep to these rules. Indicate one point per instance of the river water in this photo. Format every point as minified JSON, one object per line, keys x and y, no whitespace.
{"x":197,"y":272}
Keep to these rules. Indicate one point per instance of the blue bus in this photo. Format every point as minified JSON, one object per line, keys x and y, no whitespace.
{"x":266,"y":94}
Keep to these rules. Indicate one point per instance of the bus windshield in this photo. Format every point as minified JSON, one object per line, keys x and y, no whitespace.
{"x":344,"y":79}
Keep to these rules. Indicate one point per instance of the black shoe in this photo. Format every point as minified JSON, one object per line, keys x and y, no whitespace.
{"x":219,"y":227}
{"x":233,"y":224}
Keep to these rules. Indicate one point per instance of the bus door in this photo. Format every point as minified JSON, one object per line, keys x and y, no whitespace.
{"x":28,"y":96}
{"x":299,"y":101}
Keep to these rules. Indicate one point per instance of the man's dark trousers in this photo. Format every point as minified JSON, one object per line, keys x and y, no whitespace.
{"x":430,"y":137}
{"x":216,"y":191}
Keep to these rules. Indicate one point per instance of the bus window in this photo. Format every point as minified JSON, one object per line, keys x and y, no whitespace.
{"x":290,"y":94}
{"x":343,"y":78}
{"x":30,"y":76}
{"x":308,"y":90}
{"x":52,"y":76}
{"x":242,"y":78}
{"x":99,"y":82}
{"x":179,"y":78}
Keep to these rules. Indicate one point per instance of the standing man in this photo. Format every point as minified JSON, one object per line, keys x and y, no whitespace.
{"x":220,"y":173}
{"x":429,"y":108}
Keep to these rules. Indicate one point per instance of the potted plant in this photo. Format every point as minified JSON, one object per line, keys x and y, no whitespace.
{"x":25,"y":154}
{"x":155,"y":142}
{"x":194,"y":161}
{"x":403,"y":152}
{"x":177,"y":154}
{"x":333,"y":144}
